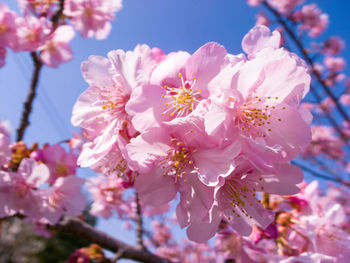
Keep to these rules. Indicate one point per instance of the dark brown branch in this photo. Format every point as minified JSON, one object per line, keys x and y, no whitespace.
{"x":308,"y":59}
{"x":139,"y":228}
{"x":335,"y":125}
{"x":123,"y":250}
{"x":27,"y":108}
{"x":56,"y":17}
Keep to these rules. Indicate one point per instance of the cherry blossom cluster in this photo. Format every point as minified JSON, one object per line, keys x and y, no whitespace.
{"x":312,"y":226}
{"x":311,"y":19}
{"x":39,"y":184}
{"x":309,"y":227}
{"x":329,"y":99}
{"x":214,"y":127}
{"x":43,"y":26}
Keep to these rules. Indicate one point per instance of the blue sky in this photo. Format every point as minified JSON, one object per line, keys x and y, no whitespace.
{"x":168,"y":24}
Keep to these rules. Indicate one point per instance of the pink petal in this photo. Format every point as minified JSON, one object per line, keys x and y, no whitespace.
{"x":258,"y":38}
{"x":215,"y":163}
{"x":154,"y":188}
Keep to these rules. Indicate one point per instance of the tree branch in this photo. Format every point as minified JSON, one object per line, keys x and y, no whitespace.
{"x":56,"y":17}
{"x":27,"y":108}
{"x":308,"y":59}
{"x":343,"y":136}
{"x":84,"y":230}
{"x":319,"y":175}
{"x":139,"y":223}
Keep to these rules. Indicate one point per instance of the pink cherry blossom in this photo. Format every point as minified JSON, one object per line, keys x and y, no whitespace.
{"x":254,"y":2}
{"x":60,"y":162}
{"x":107,"y":195}
{"x":63,"y":196}
{"x":179,"y":151}
{"x":327,"y":104}
{"x":162,"y":233}
{"x":173,"y":162}
{"x":92,"y":17}
{"x":345,"y":99}
{"x":5,"y":140}
{"x":214,"y":127}
{"x":285,"y":6}
{"x":270,"y":232}
{"x":100,"y":110}
{"x":333,"y":46}
{"x":8,"y":27}
{"x":324,"y":231}
{"x":308,"y":257}
{"x":177,"y":85}
{"x":32,"y":32}
{"x":76,"y":142}
{"x":18,"y":189}
{"x":334,"y":64}
{"x":230,"y":245}
{"x":262,"y":19}
{"x":2,"y":56}
{"x":258,"y":38}
{"x":56,"y":50}
{"x":312,"y":19}
{"x":236,"y":203}
{"x":260,"y":104}
{"x":325,"y":141}
{"x":38,"y":8}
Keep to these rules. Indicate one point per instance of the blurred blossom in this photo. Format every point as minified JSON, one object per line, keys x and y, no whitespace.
{"x":334,"y":64}
{"x":312,"y":19}
{"x":32,"y":32}
{"x":285,"y":6}
{"x":8,"y":27}
{"x":345,"y":99}
{"x":60,"y":162}
{"x":333,"y":46}
{"x":92,"y":17}
{"x":262,"y":19}
{"x":56,"y":50}
{"x":254,"y":2}
{"x":324,"y":141}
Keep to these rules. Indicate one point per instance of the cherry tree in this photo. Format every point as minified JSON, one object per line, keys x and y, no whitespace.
{"x":221,"y":139}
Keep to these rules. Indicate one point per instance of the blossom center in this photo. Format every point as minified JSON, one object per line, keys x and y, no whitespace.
{"x":182,"y":100}
{"x":113,"y":102}
{"x":116,"y":166}
{"x":61,"y":169}
{"x":239,"y":198}
{"x":3,"y":28}
{"x":255,"y":115}
{"x":177,"y":160}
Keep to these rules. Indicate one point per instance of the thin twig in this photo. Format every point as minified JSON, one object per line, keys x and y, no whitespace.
{"x":56,"y":17}
{"x":84,"y":230}
{"x":117,"y":256}
{"x":308,"y":59}
{"x":335,"y":125}
{"x":27,"y":108}
{"x":320,"y":175}
{"x":139,"y":223}
{"x":28,"y":104}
